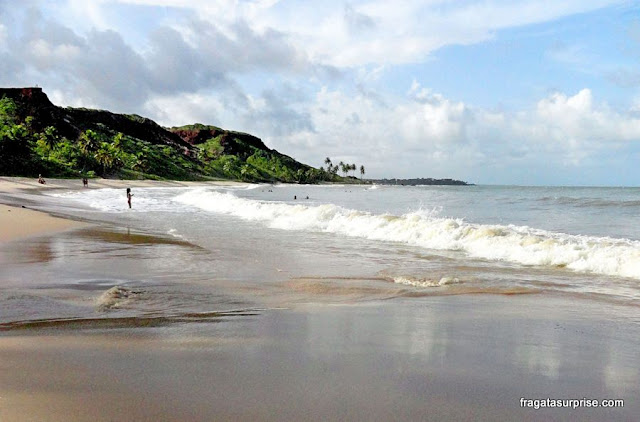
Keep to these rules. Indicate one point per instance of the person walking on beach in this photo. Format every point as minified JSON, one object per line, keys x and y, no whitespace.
{"x":129,"y":195}
{"x":85,"y":182}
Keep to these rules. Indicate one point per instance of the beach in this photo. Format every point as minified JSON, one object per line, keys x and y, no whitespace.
{"x":118,"y":315}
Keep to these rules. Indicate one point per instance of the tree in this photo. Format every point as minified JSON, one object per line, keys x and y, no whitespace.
{"x":361,"y":171}
{"x":89,"y":142}
{"x":343,"y":168}
{"x":49,"y":137}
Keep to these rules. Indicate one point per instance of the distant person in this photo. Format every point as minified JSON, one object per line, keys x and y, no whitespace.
{"x":41,"y":180}
{"x":85,"y":182}
{"x":129,"y":195}
{"x":295,"y":197}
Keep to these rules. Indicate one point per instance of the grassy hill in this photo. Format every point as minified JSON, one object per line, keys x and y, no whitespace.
{"x":37,"y":137}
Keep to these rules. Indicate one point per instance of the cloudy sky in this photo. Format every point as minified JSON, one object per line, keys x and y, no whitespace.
{"x":527,"y":92}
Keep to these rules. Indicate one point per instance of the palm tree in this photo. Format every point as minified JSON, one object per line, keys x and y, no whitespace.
{"x":361,"y":171}
{"x":89,"y":142}
{"x":50,"y":137}
{"x":105,"y":157}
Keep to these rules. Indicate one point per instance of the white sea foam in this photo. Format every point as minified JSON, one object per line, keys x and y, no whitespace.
{"x":114,"y":298}
{"x":510,"y":243}
{"x":425,"y":282}
{"x":174,"y":233}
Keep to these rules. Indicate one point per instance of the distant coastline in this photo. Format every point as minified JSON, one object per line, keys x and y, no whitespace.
{"x":420,"y":181}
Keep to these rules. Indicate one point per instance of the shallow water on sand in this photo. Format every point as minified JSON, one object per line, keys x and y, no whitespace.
{"x":209,"y":249}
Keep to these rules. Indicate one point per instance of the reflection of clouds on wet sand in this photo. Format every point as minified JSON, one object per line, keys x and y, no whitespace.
{"x":448,"y":357}
{"x":621,"y":373}
{"x":539,"y":358}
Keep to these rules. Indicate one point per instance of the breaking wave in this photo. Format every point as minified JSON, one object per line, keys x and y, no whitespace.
{"x":509,"y":243}
{"x":115,"y":298}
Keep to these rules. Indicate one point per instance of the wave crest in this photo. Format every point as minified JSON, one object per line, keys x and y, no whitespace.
{"x":509,"y":243}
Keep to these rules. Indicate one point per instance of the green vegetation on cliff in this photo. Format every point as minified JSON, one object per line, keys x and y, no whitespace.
{"x":39,"y":137}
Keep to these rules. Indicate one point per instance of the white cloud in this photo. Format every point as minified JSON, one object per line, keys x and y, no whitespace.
{"x":377,"y":31}
{"x":178,"y":110}
{"x":4,"y":37}
{"x":577,"y":117}
{"x":407,"y":136}
{"x":45,"y":54}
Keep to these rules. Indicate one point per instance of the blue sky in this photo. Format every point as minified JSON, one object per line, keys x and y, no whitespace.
{"x":488,"y":91}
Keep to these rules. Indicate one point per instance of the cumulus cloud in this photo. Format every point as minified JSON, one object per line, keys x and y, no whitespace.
{"x":102,"y":67}
{"x":364,"y":32}
{"x":278,"y":113}
{"x":378,"y":31}
{"x":428,"y":134}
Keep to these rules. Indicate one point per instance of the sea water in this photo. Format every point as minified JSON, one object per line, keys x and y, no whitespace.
{"x":237,"y":247}
{"x":562,"y":238}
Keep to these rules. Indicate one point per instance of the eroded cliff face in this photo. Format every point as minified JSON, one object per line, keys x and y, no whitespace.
{"x":197,"y":136}
{"x":33,"y":96}
{"x":234,"y":143}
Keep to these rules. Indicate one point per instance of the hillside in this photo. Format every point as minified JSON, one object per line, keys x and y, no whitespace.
{"x":37,"y":136}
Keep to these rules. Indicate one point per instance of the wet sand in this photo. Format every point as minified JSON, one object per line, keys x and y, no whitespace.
{"x":459,"y":358}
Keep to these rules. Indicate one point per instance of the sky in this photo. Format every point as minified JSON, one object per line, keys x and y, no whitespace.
{"x":524,"y":92}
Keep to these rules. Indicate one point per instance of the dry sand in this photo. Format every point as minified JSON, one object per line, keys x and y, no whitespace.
{"x":16,"y":223}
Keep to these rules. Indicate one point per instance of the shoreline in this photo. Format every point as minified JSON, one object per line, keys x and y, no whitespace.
{"x":9,"y":184}
{"x":18,"y":219}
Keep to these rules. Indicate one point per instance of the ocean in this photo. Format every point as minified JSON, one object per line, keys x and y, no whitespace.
{"x":199,"y":249}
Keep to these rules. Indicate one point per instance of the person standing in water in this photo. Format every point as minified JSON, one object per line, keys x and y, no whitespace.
{"x":129,"y":195}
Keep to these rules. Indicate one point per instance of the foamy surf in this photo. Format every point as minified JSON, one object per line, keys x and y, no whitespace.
{"x":425,"y":282}
{"x":509,"y":243}
{"x":115,"y":297}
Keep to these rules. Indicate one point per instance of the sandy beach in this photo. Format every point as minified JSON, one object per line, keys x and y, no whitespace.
{"x":13,"y":184}
{"x":84,"y":351}
{"x":453,"y":359}
{"x":16,"y":223}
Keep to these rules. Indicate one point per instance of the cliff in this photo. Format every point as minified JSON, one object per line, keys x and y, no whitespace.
{"x":73,"y":141}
